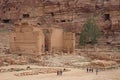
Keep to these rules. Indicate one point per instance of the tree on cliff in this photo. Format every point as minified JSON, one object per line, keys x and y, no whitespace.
{"x":90,"y":32}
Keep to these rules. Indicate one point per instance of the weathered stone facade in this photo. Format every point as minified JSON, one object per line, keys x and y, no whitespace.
{"x":26,"y":39}
{"x":30,"y":39}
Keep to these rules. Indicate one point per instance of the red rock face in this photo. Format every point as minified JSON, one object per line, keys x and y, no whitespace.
{"x":108,"y":25}
{"x":69,"y":12}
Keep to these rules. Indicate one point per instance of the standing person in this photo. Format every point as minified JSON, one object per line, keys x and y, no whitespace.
{"x":58,"y":72}
{"x":87,"y":69}
{"x":61,"y":72}
{"x":92,"y":69}
{"x":96,"y":71}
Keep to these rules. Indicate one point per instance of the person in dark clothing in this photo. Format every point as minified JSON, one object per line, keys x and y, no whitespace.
{"x":96,"y":71}
{"x":58,"y":72}
{"x":61,"y":72}
{"x":91,"y":69}
{"x":87,"y":70}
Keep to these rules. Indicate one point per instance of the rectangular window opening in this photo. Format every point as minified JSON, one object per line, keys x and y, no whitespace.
{"x":26,"y":15}
{"x":106,"y":17}
{"x":6,"y":20}
{"x":63,"y":21}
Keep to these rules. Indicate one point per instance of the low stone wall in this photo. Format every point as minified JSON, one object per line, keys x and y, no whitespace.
{"x":27,"y":71}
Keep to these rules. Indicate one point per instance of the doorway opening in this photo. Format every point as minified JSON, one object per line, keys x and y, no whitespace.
{"x":106,"y":17}
{"x":47,"y":40}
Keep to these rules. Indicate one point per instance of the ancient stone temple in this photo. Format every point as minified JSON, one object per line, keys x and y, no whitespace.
{"x":27,"y":39}
{"x":32,"y":39}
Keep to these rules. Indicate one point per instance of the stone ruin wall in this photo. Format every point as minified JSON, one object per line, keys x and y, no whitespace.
{"x":31,"y":43}
{"x":39,"y":40}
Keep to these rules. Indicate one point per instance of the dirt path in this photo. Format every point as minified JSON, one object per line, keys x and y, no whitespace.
{"x":74,"y":74}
